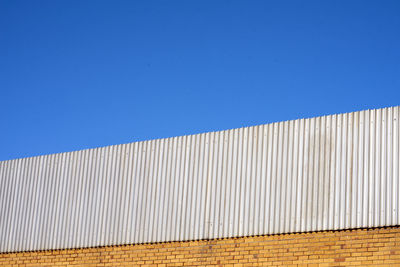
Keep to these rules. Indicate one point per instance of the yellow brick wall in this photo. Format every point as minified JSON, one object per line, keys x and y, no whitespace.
{"x":376,"y":247}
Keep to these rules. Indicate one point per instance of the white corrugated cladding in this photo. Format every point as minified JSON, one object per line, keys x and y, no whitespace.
{"x":324,"y":173}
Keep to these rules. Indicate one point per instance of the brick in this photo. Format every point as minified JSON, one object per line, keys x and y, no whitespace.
{"x":380,"y":246}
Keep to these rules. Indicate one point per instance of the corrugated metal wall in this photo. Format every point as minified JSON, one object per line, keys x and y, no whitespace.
{"x":332,"y":172}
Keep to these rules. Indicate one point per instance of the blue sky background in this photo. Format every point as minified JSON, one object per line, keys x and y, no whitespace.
{"x":84,"y":74}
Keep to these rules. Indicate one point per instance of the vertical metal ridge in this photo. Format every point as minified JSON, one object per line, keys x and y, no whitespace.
{"x":396,"y":160}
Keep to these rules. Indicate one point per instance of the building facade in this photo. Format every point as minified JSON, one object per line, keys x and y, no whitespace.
{"x":269,"y":194}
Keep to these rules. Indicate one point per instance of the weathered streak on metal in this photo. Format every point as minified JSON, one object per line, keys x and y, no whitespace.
{"x":325,"y":173}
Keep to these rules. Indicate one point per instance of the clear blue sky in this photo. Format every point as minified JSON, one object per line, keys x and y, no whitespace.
{"x":84,"y":74}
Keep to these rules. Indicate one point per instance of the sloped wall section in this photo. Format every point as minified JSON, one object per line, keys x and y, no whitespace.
{"x":325,"y":173}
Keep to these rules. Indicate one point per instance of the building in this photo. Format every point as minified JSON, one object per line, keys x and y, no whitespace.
{"x":321,"y":191}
